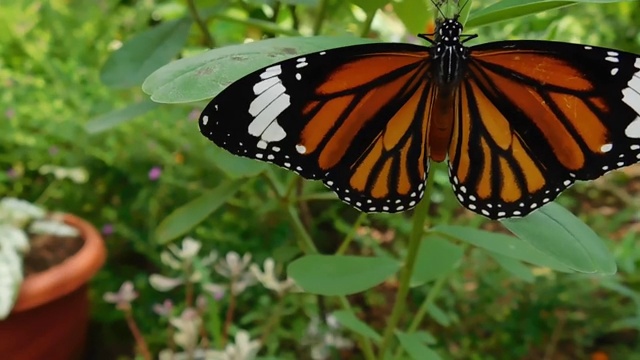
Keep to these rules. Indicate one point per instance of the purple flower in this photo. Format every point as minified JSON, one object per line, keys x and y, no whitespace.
{"x":53,"y":150}
{"x":10,"y":113}
{"x":12,"y":173}
{"x":163,"y":309}
{"x":194,"y":114}
{"x":107,"y":229}
{"x":123,"y":298}
{"x":154,"y":173}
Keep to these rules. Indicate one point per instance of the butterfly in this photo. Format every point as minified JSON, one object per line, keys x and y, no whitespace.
{"x":517,"y":121}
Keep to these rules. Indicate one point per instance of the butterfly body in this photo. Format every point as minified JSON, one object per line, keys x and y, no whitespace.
{"x":518,"y":121}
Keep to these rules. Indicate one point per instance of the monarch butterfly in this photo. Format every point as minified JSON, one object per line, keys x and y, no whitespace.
{"x":519,"y":121}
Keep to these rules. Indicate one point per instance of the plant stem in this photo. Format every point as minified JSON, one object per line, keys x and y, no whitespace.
{"x":229,"y":316}
{"x":366,"y":26}
{"x":272,"y":323}
{"x":351,"y":235}
{"x":422,"y":311}
{"x":322,"y":13}
{"x":304,"y":239}
{"x":365,"y":344}
{"x":202,"y":25}
{"x":135,"y":331}
{"x":264,"y":25}
{"x":419,"y":218}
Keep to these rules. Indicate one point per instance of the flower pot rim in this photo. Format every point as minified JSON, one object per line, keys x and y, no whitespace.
{"x":64,"y":278}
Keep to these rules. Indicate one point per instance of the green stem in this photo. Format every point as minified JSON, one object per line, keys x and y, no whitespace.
{"x":430,"y":299}
{"x":202,"y":25}
{"x":364,"y":342}
{"x":419,"y":219}
{"x":304,"y":239}
{"x":422,"y":311}
{"x":266,"y":26}
{"x":366,"y":26}
{"x":272,"y":323}
{"x":351,"y":235}
{"x":322,"y":13}
{"x":46,"y":193}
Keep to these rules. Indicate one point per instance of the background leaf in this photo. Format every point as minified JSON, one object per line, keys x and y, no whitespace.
{"x":117,"y":117}
{"x":350,"y":321}
{"x":556,"y":232}
{"x":185,"y":217}
{"x":204,"y":76}
{"x":436,"y":257}
{"x":144,"y":53}
{"x":502,"y":244}
{"x":414,"y":345}
{"x":340,"y":275}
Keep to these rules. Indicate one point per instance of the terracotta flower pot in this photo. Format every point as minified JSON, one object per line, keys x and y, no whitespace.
{"x":49,"y":320}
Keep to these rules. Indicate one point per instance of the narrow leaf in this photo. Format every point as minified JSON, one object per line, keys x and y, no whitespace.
{"x":514,"y":267}
{"x":438,"y":315}
{"x":350,"y":321}
{"x":340,"y":275}
{"x":555,"y":231}
{"x":235,"y":166}
{"x":415,"y":21}
{"x":510,"y":9}
{"x":117,"y":117}
{"x":144,"y":53}
{"x":502,"y":244}
{"x":184,"y":218}
{"x":436,"y":257}
{"x":414,"y":345}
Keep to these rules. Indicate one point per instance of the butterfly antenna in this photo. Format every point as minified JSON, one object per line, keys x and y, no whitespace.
{"x":438,"y":8}
{"x":463,"y":6}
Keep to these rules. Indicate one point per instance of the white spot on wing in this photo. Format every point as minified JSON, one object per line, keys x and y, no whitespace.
{"x":205,"y":120}
{"x":263,"y":85}
{"x":269,"y":114}
{"x":274,"y":132}
{"x":606,"y":148}
{"x":265,"y":98}
{"x":301,"y":149}
{"x":633,"y":129}
{"x":271,"y":72}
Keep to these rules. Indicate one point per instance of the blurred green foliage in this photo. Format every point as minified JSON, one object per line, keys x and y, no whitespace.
{"x":146,"y":161}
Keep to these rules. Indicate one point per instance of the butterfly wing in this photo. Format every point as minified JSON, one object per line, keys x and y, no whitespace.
{"x":535,"y":116}
{"x":353,"y":117}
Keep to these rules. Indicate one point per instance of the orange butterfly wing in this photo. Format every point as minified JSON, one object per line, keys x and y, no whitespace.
{"x":353,"y":117}
{"x":533,"y":120}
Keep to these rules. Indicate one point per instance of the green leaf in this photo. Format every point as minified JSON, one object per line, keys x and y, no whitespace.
{"x":235,"y":166}
{"x":438,"y":315}
{"x":340,"y":275}
{"x":117,"y":117}
{"x":370,"y":5}
{"x":415,"y":346}
{"x":436,"y":257}
{"x":415,"y":21}
{"x":502,"y":244}
{"x":510,"y":9}
{"x":184,"y":218}
{"x":515,"y":267}
{"x":205,"y":75}
{"x":144,"y":53}
{"x":558,"y":233}
{"x":350,"y":321}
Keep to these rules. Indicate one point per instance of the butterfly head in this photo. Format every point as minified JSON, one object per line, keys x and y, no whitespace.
{"x":448,"y":33}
